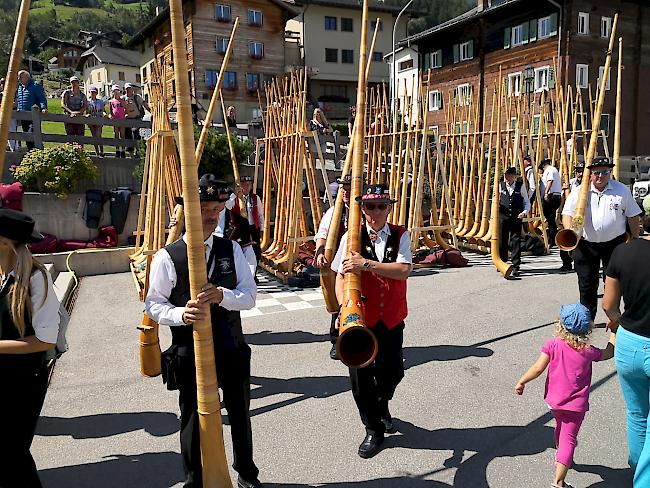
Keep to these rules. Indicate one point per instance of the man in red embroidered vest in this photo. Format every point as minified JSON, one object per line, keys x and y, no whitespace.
{"x":385,"y":264}
{"x":254,"y":210}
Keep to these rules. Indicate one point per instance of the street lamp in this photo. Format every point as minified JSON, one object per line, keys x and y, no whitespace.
{"x":394,"y":77}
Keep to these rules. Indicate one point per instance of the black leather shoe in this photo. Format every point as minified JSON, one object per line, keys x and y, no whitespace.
{"x":242,"y":483}
{"x":387,"y":420}
{"x":371,"y":445}
{"x":565,"y":268}
{"x":333,"y":354}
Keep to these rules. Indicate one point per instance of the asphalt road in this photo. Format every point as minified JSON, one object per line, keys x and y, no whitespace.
{"x":470,"y":334}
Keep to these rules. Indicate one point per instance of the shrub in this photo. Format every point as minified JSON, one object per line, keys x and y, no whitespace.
{"x":57,"y":169}
{"x":216,"y":155}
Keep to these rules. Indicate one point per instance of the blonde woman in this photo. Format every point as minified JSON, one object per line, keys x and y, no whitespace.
{"x":29,"y":325}
{"x":319,"y":123}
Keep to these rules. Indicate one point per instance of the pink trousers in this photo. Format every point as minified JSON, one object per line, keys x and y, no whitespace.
{"x":567,"y":426}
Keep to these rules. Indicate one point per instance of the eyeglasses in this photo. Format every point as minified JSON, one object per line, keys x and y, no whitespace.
{"x":372,"y":206}
{"x":604,"y":172}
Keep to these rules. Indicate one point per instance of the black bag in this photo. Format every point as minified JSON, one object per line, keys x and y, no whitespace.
{"x":177,"y":363}
{"x":92,"y":214}
{"x":533,"y":244}
{"x":120,"y":198}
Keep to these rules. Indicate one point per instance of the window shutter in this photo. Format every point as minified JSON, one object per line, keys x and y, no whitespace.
{"x":533,"y":30}
{"x":553,"y":24}
{"x":456,"y":53}
{"x":507,"y":34}
{"x":470,"y":49}
{"x":551,"y":78}
{"x":440,"y":100}
{"x":425,"y":60}
{"x":524,"y":33}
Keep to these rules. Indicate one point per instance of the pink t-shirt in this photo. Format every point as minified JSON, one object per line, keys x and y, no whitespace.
{"x":118,"y":108}
{"x":569,"y":375}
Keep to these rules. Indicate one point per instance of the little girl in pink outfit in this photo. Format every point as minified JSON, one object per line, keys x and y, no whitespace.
{"x":568,"y":356}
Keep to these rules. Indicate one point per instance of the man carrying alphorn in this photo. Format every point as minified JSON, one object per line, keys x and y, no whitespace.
{"x":255,"y":213}
{"x":385,"y":264}
{"x":230,"y":288}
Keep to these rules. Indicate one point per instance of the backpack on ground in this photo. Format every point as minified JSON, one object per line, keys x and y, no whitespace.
{"x":120,"y":199}
{"x":93,"y":208}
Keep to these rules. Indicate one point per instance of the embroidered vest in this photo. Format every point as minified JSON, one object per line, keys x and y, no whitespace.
{"x":237,"y":229}
{"x":385,"y":298}
{"x":255,"y":210}
{"x":511,"y":205}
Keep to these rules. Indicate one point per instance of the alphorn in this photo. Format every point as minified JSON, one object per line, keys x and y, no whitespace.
{"x":213,"y":456}
{"x":356,"y":345}
{"x":617,"y":122}
{"x":233,"y":158}
{"x":568,"y":239}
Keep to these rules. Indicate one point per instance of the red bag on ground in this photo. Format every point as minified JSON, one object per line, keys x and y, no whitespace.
{"x":107,"y":237}
{"x":443,"y":257}
{"x":48,"y":245}
{"x":12,"y":195}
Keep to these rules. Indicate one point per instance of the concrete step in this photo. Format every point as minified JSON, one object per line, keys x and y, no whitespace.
{"x":63,"y":285}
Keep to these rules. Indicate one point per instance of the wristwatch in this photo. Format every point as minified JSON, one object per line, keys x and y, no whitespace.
{"x":366,"y":264}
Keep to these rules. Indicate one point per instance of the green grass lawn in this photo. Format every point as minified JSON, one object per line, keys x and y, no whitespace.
{"x":65,"y":12}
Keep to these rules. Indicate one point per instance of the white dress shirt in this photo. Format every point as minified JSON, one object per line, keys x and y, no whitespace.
{"x":573,"y":184}
{"x":162,"y":280}
{"x":403,"y":253}
{"x":232,"y":201}
{"x":550,"y":173}
{"x":326,"y":221}
{"x":45,"y":307}
{"x":522,"y":191}
{"x":249,"y":252}
{"x":530,"y":181}
{"x":607,"y":211}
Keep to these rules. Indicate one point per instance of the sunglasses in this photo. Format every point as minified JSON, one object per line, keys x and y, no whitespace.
{"x":372,"y":206}
{"x":604,"y":172}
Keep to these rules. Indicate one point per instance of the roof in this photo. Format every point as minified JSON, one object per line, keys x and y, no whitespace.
{"x":470,"y":15}
{"x":373,"y":5}
{"x":61,"y":41}
{"x":112,"y":55}
{"x":143,"y":33}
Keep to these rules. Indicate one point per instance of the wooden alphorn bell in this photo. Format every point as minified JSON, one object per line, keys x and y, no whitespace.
{"x":568,"y":239}
{"x":356,"y":345}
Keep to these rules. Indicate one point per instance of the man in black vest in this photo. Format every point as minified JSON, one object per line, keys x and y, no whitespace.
{"x":513,"y":206}
{"x":230,"y":288}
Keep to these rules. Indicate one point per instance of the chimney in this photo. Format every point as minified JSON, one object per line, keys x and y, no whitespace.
{"x":482,"y":5}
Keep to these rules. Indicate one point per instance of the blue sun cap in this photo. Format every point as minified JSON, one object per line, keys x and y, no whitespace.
{"x":575,"y":318}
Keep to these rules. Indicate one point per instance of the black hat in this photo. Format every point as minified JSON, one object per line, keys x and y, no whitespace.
{"x":378,"y":193}
{"x":511,"y":171}
{"x":528,"y":158}
{"x":209,"y":189}
{"x":580,"y":166}
{"x":601,"y":161}
{"x":244,"y":179}
{"x":543,"y":163}
{"x":18,"y":226}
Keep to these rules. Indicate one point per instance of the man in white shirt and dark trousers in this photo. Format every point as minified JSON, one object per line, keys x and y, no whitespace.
{"x":254,"y":210}
{"x":514,"y":205}
{"x":567,"y":260}
{"x":550,"y":189}
{"x":230,"y":288}
{"x":610,"y":206}
{"x":531,"y":177}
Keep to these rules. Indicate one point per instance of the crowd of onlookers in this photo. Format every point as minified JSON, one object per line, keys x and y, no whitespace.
{"x":124,"y":103}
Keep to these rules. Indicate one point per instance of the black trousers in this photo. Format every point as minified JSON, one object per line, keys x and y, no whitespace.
{"x":23,"y":397}
{"x":373,"y":386}
{"x":234,"y":380}
{"x":567,"y":260}
{"x":550,"y":208}
{"x":28,"y":126}
{"x":334,"y":332}
{"x":587,"y":258}
{"x":510,"y":237}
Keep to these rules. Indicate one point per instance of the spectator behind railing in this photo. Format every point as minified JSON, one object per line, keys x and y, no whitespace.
{"x":96,"y":108}
{"x":230,"y":122}
{"x":13,"y":144}
{"x":29,"y":94}
{"x":74,"y":103}
{"x":118,"y":112}
{"x":135,"y":106}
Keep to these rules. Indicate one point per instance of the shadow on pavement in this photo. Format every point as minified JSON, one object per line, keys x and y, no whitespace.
{"x":136,"y":471}
{"x":610,"y":476}
{"x":158,"y":424}
{"x":416,"y":356}
{"x":401,"y":482}
{"x":268,"y":338}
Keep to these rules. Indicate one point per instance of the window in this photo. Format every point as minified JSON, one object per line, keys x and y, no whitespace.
{"x":211,"y":78}
{"x":222,"y":44}
{"x":120,"y":76}
{"x":514,"y":84}
{"x":518,"y":37}
{"x":229,"y":80}
{"x":604,"y":123}
{"x":331,"y":55}
{"x":435,"y":100}
{"x":335,"y":91}
{"x":372,"y":25}
{"x":542,"y":76}
{"x":582,"y":75}
{"x":513,"y":123}
{"x":347,"y":56}
{"x":463,"y":94}
{"x":536,"y":120}
{"x":346,"y":24}
{"x":253,"y":81}
{"x":222,"y":13}
{"x":436,"y":59}
{"x":404,"y":65}
{"x":377,"y":56}
{"x":254,"y":18}
{"x":601,"y":70}
{"x":138,"y":78}
{"x":330,"y":23}
{"x":544,"y":28}
{"x":256,"y":49}
{"x":466,"y":50}
{"x":583,"y":23}
{"x":605,"y":27}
